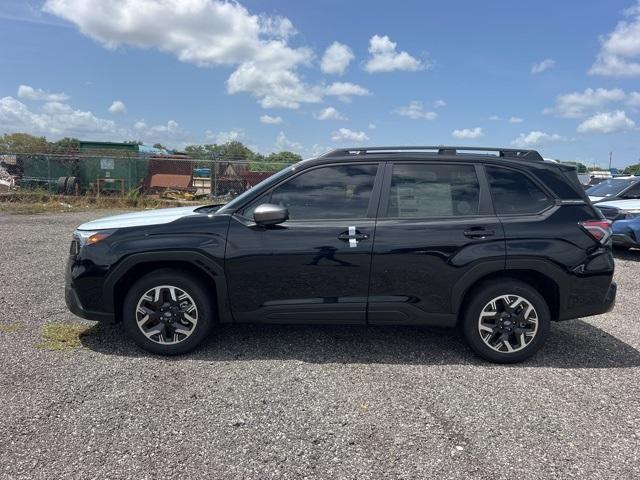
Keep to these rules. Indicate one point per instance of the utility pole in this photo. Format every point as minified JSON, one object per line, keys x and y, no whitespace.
{"x":610,"y":157}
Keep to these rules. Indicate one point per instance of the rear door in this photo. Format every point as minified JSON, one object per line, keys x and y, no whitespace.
{"x":435,"y":224}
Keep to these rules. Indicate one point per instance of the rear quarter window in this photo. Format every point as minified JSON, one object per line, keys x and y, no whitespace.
{"x":514,"y":193}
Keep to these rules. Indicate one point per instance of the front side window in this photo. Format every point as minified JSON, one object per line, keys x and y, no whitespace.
{"x":424,"y":190}
{"x":328,"y":192}
{"x":514,"y":193}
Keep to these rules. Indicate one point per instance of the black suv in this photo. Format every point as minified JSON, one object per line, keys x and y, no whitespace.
{"x":498,"y":242}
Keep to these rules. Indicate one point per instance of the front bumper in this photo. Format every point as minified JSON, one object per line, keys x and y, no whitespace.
{"x":75,"y":306}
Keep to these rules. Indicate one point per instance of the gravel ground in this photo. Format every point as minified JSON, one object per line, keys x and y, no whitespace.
{"x":305,"y":402}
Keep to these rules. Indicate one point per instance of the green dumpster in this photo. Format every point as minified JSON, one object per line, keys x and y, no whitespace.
{"x":113,"y":166}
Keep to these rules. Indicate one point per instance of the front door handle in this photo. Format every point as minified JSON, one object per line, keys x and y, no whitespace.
{"x":478,"y":233}
{"x":358,"y":236}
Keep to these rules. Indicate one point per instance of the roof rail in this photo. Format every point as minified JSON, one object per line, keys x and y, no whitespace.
{"x":518,"y":153}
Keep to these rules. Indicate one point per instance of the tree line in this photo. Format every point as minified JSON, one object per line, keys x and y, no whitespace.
{"x":234,"y":151}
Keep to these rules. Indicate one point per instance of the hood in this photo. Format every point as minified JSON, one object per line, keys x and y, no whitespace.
{"x":621,"y":204}
{"x":139,"y":219}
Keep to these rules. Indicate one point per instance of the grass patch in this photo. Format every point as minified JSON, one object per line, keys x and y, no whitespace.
{"x":62,"y":336}
{"x":10,"y":327}
{"x":27,"y":203}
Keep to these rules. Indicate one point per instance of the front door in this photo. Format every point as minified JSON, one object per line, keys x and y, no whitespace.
{"x":315,"y":266}
{"x":436,"y":224}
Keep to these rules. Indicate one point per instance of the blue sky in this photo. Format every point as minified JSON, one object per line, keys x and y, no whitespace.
{"x":563,"y":77}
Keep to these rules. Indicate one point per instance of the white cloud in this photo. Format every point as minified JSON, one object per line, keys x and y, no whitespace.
{"x":633,"y":99}
{"x":316,"y":150}
{"x":494,"y":118}
{"x":237,"y":134}
{"x":545,"y":64}
{"x":607,"y":122}
{"x":372,"y":126}
{"x":619,"y":54}
{"x":205,"y":33}
{"x":537,"y":138}
{"x":468,"y":133}
{"x":329,"y":113}
{"x":118,"y":107}
{"x":170,"y":133}
{"x":55,"y":119}
{"x":283,"y":143}
{"x":439,"y":104}
{"x":336,"y":59}
{"x":37,"y":94}
{"x":578,"y":104}
{"x":269,"y":120}
{"x":415,"y":111}
{"x":345,"y":90}
{"x":346,"y":135}
{"x":385,"y":57}
{"x":516,"y":120}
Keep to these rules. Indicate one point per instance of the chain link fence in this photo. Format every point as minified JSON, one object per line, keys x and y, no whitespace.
{"x":119,"y":172}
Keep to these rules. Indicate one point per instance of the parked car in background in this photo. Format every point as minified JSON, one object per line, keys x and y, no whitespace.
{"x":496,"y":241}
{"x":202,"y":172}
{"x":623,"y":188}
{"x":625,"y":215}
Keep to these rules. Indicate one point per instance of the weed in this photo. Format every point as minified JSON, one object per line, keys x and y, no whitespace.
{"x":10,"y":327}
{"x":61,"y":336}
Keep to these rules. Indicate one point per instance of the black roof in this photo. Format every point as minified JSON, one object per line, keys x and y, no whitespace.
{"x":431,"y":151}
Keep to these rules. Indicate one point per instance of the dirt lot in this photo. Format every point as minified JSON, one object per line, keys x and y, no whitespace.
{"x":303,"y":402}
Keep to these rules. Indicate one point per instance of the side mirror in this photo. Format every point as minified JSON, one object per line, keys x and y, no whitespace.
{"x":270,"y":214}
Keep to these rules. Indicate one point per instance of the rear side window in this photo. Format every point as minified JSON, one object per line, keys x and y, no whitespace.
{"x":514,"y":193}
{"x":424,"y":190}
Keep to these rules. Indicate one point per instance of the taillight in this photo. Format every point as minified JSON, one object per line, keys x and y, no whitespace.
{"x":600,"y":230}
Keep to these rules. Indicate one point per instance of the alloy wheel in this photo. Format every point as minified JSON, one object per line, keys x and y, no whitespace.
{"x":166,"y":315}
{"x":508,"y":323}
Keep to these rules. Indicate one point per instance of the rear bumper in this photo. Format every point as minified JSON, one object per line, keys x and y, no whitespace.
{"x":589,"y":303}
{"x":609,"y":299}
{"x":624,"y":240}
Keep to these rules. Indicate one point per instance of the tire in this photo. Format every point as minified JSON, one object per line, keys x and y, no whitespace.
{"x":186,"y":334}
{"x":61,"y":185}
{"x":486,"y":328}
{"x":71,"y":186}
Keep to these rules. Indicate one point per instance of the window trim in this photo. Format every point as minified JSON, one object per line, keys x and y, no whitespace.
{"x":485,"y":206}
{"x":543,"y":188}
{"x":371,"y":208}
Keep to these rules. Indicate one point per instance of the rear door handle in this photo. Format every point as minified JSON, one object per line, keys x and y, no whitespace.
{"x":478,"y":233}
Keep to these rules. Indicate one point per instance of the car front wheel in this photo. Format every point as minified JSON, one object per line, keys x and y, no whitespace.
{"x":506,"y":321}
{"x":168,"y":312}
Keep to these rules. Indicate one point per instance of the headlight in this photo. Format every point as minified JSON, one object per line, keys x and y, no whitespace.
{"x":86,"y":237}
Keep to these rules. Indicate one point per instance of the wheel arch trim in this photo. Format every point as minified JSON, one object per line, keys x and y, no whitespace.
{"x":487,"y":269}
{"x":195,"y":260}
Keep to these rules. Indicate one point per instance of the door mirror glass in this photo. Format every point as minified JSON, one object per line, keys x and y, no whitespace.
{"x":270,"y":214}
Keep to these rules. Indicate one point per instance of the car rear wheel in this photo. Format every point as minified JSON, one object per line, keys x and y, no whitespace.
{"x":168,"y":312}
{"x":506,"y":321}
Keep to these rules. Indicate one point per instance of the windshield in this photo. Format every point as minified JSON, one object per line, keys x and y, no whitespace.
{"x":612,"y":186}
{"x":240,"y":199}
